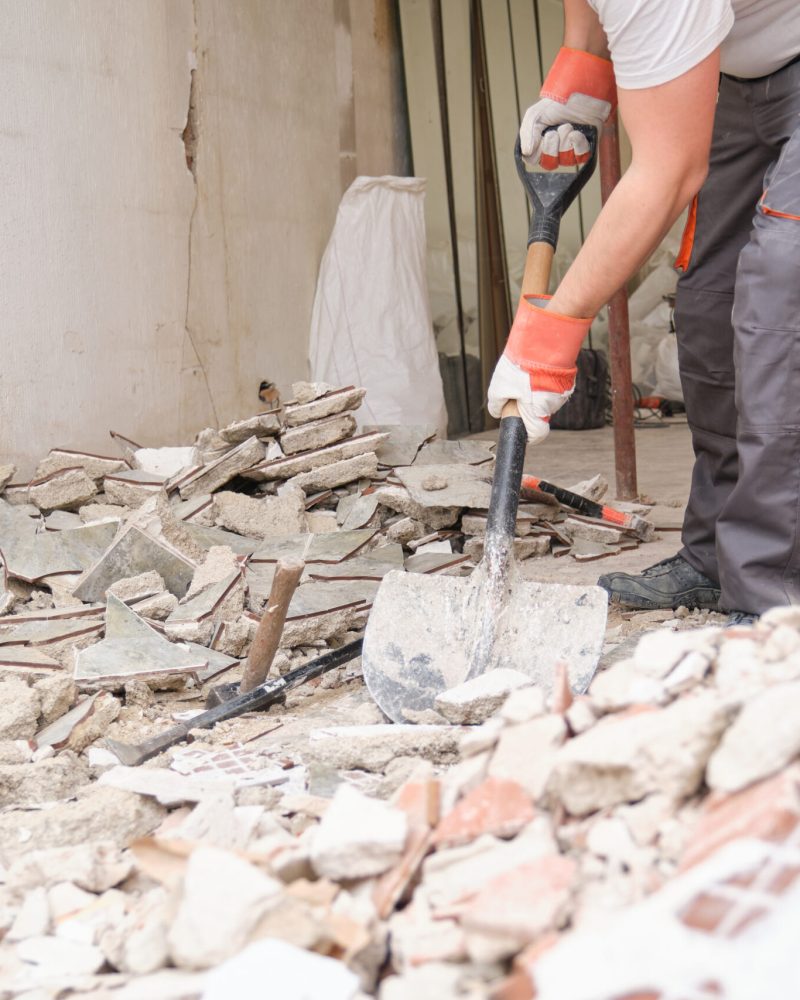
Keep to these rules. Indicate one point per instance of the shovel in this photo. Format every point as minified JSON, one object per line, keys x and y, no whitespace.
{"x":427,"y":634}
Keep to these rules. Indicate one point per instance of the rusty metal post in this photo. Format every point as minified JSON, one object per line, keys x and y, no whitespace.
{"x":619,"y":342}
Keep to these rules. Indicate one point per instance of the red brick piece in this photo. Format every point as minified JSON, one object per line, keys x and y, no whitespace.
{"x":769,"y":810}
{"x":496,"y":806}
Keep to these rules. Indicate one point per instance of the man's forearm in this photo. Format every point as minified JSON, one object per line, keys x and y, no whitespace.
{"x":582,"y":29}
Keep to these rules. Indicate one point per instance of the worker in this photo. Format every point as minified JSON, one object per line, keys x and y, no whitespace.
{"x":709,"y":93}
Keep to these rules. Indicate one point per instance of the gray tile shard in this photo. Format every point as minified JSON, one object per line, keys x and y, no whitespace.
{"x":132,"y":648}
{"x":207,"y":538}
{"x":210,"y":602}
{"x":455,"y":452}
{"x":132,"y":487}
{"x":285,"y":468}
{"x":43,"y":633}
{"x":434,"y":562}
{"x":133,"y":552}
{"x":325,"y":406}
{"x":355,"y":510}
{"x":317,"y":434}
{"x":27,"y":659}
{"x":219,"y":472}
{"x":96,"y":466}
{"x":63,"y":489}
{"x":402,"y":443}
{"x":330,"y":547}
{"x":306,"y":392}
{"x":337,"y":474}
{"x":262,"y":425}
{"x":373,"y":565}
{"x":448,"y":485}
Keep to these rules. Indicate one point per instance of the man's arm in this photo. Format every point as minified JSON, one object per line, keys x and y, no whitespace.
{"x":582,"y":29}
{"x":670,"y":131}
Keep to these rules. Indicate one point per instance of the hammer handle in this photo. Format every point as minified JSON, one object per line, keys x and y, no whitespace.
{"x":270,"y":628}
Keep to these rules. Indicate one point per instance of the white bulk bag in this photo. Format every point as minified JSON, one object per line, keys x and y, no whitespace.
{"x":371,"y":322}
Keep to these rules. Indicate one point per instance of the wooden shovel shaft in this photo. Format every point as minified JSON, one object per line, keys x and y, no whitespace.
{"x":270,"y":628}
{"x":535,"y":281}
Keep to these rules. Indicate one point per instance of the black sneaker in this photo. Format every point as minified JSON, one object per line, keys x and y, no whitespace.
{"x":741,"y":619}
{"x":672,"y":583}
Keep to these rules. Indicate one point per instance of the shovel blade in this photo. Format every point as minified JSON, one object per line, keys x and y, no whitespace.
{"x":420,"y":636}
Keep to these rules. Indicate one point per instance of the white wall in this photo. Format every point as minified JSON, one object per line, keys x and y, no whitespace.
{"x":134,"y":295}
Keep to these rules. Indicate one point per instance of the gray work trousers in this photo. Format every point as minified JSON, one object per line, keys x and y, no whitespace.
{"x":738,"y":322}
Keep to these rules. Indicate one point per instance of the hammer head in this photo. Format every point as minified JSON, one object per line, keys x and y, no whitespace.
{"x":221,"y":693}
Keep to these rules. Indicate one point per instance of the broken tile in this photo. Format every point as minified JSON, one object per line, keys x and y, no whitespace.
{"x":337,"y":473}
{"x":355,"y":511}
{"x":135,"y":588}
{"x":434,"y":562}
{"x":132,"y":648}
{"x":65,"y":489}
{"x":285,"y":468}
{"x":331,"y":403}
{"x":95,"y":466}
{"x":7,"y":473}
{"x":372,"y":565}
{"x":317,"y":434}
{"x":262,"y":425}
{"x":46,"y":632}
{"x":402,"y":442}
{"x":455,"y":452}
{"x":165,"y":462}
{"x":244,"y":768}
{"x":133,"y":552}
{"x":447,"y":485}
{"x":262,"y":517}
{"x":399,"y":499}
{"x":207,"y":538}
{"x":592,"y":530}
{"x":497,"y":806}
{"x":221,"y":601}
{"x":219,"y":472}
{"x":321,"y":522}
{"x":132,"y":487}
{"x":27,"y":659}
{"x":371,"y":748}
{"x":61,"y":519}
{"x":311,"y":548}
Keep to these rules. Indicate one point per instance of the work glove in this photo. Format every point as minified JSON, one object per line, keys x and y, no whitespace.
{"x":537,"y":368}
{"x":579,"y":90}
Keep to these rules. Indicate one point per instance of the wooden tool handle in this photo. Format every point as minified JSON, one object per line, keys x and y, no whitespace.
{"x":270,"y":628}
{"x":538,"y":263}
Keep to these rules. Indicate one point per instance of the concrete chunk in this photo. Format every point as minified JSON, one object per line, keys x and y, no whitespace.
{"x":357,"y":837}
{"x":132,"y":487}
{"x":264,"y":517}
{"x":371,"y":748}
{"x":62,"y":490}
{"x":95,"y":466}
{"x":262,"y":425}
{"x":285,"y":468}
{"x":398,"y":498}
{"x":474,"y":701}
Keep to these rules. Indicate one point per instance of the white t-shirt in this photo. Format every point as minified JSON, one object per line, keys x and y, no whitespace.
{"x":654,"y":41}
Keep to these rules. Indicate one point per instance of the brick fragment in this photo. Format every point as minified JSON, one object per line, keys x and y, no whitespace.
{"x":497,"y":806}
{"x":769,"y":811}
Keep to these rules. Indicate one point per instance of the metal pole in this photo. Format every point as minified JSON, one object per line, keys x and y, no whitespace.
{"x":619,"y":342}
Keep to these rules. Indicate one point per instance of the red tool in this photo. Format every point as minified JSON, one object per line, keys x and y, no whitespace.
{"x":628,"y":522}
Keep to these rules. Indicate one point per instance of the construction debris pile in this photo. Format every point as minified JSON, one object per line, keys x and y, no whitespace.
{"x":638,"y":841}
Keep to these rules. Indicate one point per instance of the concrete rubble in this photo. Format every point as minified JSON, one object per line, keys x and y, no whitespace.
{"x":504,"y":844}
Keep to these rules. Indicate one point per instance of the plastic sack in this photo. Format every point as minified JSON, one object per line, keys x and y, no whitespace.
{"x":668,"y":380}
{"x":371,"y":321}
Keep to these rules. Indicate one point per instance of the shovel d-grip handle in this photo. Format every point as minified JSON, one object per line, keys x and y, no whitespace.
{"x":551,"y":192}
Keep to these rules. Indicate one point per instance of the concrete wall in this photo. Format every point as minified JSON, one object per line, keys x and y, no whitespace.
{"x":170,"y":175}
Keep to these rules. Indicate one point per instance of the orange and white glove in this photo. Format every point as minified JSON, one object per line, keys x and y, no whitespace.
{"x":538,"y":366}
{"x":580,"y":89}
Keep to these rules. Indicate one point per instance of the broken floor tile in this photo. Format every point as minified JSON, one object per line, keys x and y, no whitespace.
{"x":245,"y":768}
{"x":455,"y":452}
{"x":207,"y":538}
{"x":132,"y":487}
{"x":211,"y":602}
{"x":497,"y":806}
{"x":337,"y":473}
{"x":199,"y":509}
{"x":403,"y":442}
{"x":317,"y":434}
{"x":448,"y":485}
{"x":219,"y":472}
{"x":331,"y":403}
{"x":133,"y":552}
{"x":314,"y":548}
{"x":131,"y":648}
{"x":260,"y":517}
{"x":261,"y":425}
{"x":57,"y":734}
{"x":355,"y":511}
{"x":96,"y":466}
{"x":373,"y":565}
{"x":61,"y":519}
{"x":169,"y":788}
{"x":64,"y":489}
{"x":371,"y":748}
{"x":38,"y":632}
{"x":399,"y":499}
{"x":27,"y":659}
{"x":285,"y":468}
{"x":434,"y":562}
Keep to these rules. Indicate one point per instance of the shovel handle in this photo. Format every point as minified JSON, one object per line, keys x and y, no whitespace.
{"x":270,"y":628}
{"x":538,"y":263}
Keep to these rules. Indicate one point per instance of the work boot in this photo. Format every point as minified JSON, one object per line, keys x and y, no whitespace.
{"x":741,"y":619}
{"x":672,"y":583}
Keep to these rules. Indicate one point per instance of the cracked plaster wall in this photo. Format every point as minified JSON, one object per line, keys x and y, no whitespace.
{"x":139,"y":295}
